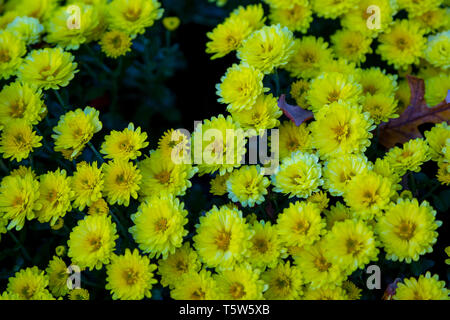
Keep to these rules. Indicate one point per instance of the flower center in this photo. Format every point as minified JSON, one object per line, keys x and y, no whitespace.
{"x":4,"y":56}
{"x":223,"y":240}
{"x":161,"y":225}
{"x":237,"y":290}
{"x":163,"y":177}
{"x":406,"y":230}
{"x":353,"y":246}
{"x":341,"y":131}
{"x":322,"y":264}
{"x":261,"y":245}
{"x":131,"y":276}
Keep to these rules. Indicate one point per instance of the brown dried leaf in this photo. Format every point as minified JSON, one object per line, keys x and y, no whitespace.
{"x":405,"y":127}
{"x":295,"y":113}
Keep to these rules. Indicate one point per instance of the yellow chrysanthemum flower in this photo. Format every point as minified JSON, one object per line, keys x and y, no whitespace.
{"x":55,"y":196}
{"x":219,"y":184}
{"x":351,"y":290}
{"x":262,"y":115}
{"x":87,"y":184}
{"x":338,"y":212}
{"x":159,"y":226}
{"x":317,"y":270}
{"x":240,"y":283}
{"x":99,"y":207}
{"x":351,"y":45}
{"x":171,"y":23}
{"x":375,"y":81}
{"x":21,"y":101}
{"x":407,"y":230}
{"x":285,"y":282}
{"x":436,"y":139}
{"x":293,"y":139}
{"x":12,"y":49}
{"x":333,"y":87}
{"x":133,"y":16}
{"x":320,"y":199}
{"x":18,"y":199}
{"x":403,"y":44}
{"x":299,"y":92}
{"x":341,"y":129}
{"x":218,"y":145}
{"x":124,"y":145}
{"x":409,"y":157}
{"x":57,"y":277}
{"x":436,"y":89}
{"x":48,"y":68}
{"x":311,"y":53}
{"x":115,"y":43}
{"x":297,"y":18}
{"x":161,"y":176}
{"x":222,"y":238}
{"x":253,"y":14}
{"x":325,"y":293}
{"x":300,"y":224}
{"x":367,"y":194}
{"x":18,"y":140}
{"x":433,"y":19}
{"x":331,"y":9}
{"x":121,"y":181}
{"x":30,"y":284}
{"x":130,"y":276}
{"x":92,"y":242}
{"x":426,"y":287}
{"x":79,"y":294}
{"x":27,"y":29}
{"x":195,"y":286}
{"x":265,"y":246}
{"x":247,"y":185}
{"x":351,"y":244}
{"x":183,"y":261}
{"x":299,"y":175}
{"x":380,"y":107}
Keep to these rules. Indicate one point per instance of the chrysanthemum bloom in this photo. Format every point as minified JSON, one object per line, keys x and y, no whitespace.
{"x":240,"y":87}
{"x":333,"y":8}
{"x":247,"y":185}
{"x":333,"y":87}
{"x":341,"y":129}
{"x":338,"y":212}
{"x":219,"y":184}
{"x":253,"y":14}
{"x":407,"y":230}
{"x":325,"y":293}
{"x":87,"y":184}
{"x":443,"y":174}
{"x":61,"y":251}
{"x":293,"y":139}
{"x":415,"y":8}
{"x":320,"y":199}
{"x":351,"y":45}
{"x":375,"y":81}
{"x":12,"y":48}
{"x":115,"y":43}
{"x":368,"y":193}
{"x":432,"y":20}
{"x":299,"y":91}
{"x":267,"y":48}
{"x":124,"y":144}
{"x":222,"y":238}
{"x":79,"y":294}
{"x":426,"y":287}
{"x":48,"y":68}
{"x":130,"y":276}
{"x":380,"y":107}
{"x":318,"y":270}
{"x":436,"y":89}
{"x":55,"y":196}
{"x":195,"y":286}
{"x":26,"y":28}
{"x":183,"y":261}
{"x":30,"y":284}
{"x":436,"y":139}
{"x":265,"y":246}
{"x":227,"y":37}
{"x":357,"y":18}
{"x":57,"y":277}
{"x":175,"y":144}
{"x":99,"y":207}
{"x":351,"y":244}
{"x":121,"y":181}
{"x":18,"y":140}
{"x":92,"y":242}
{"x":285,"y":282}
{"x":299,"y":175}
{"x":82,"y":30}
{"x":410,"y":157}
{"x":262,"y":115}
{"x":351,"y":290}
{"x":310,"y":54}
{"x":218,"y":145}
{"x":21,"y":101}
{"x":285,"y":4}
{"x":240,"y":283}
{"x":41,"y":9}
{"x":133,"y":16}
{"x":297,"y":18}
{"x":161,"y":176}
{"x":18,"y":199}
{"x":338,"y":172}
{"x":402,"y":45}
{"x":300,"y":224}
{"x":159,"y":226}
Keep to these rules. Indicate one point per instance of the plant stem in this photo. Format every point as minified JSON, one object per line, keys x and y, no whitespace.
{"x":119,"y":224}
{"x":99,"y":61}
{"x":4,"y":167}
{"x":97,"y":154}
{"x":60,"y":100}
{"x":24,"y":251}
{"x":277,"y":83}
{"x":115,"y":85}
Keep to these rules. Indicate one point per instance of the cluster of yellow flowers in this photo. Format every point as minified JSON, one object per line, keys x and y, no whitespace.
{"x":312,"y":247}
